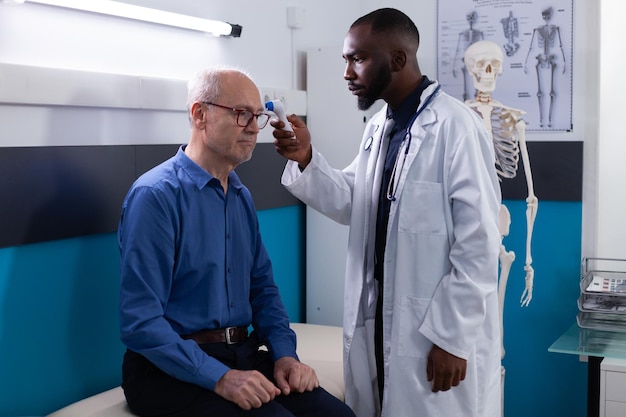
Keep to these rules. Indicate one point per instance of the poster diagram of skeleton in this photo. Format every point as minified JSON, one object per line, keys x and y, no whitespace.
{"x":536,"y":41}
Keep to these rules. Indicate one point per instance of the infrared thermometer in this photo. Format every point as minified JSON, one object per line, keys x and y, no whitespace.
{"x":276,"y":107}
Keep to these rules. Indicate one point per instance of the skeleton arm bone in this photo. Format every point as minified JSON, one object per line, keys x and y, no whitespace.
{"x":458,"y":53}
{"x":532,"y":204}
{"x":558,"y":32}
{"x":530,"y":49}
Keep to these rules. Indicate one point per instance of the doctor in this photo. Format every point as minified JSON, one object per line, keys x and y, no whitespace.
{"x":421,"y":333}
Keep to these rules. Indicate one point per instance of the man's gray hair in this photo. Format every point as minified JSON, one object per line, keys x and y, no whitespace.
{"x":206,"y":84}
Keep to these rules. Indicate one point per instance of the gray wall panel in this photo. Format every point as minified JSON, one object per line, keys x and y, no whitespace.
{"x":557,"y":169}
{"x":60,"y":192}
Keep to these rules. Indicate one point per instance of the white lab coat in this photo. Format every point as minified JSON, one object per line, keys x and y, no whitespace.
{"x":440,"y":266}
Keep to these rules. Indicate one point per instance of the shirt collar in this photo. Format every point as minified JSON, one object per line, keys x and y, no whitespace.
{"x":408,"y":107}
{"x":199,"y":176}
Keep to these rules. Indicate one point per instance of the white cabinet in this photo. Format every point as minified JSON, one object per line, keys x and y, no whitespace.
{"x":613,"y":388}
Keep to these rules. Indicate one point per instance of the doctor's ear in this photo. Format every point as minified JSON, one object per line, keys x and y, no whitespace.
{"x":398,"y":60}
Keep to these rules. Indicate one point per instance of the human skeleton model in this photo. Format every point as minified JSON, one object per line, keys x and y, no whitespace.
{"x":547,"y":48}
{"x":484,"y":62}
{"x":511,"y":31}
{"x":466,"y":38}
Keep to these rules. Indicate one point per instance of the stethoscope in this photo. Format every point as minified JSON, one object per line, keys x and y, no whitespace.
{"x":393,"y":186}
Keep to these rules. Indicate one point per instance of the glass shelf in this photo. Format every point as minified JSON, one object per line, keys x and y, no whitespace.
{"x":590,"y":342}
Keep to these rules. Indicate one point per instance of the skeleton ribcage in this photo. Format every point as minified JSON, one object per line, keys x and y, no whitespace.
{"x":505,"y":142}
{"x":547,"y":37}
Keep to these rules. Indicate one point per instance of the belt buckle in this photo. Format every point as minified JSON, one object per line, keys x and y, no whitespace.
{"x":228,"y":337}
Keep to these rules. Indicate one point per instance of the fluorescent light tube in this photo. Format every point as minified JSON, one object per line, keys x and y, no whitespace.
{"x":146,"y":14}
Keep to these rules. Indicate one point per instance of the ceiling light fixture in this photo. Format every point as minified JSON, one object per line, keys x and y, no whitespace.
{"x":146,"y":14}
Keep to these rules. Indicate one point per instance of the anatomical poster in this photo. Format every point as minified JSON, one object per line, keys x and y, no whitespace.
{"x":535,"y":37}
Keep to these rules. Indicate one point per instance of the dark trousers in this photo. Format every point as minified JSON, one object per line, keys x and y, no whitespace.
{"x":378,"y":343}
{"x":150,"y":392}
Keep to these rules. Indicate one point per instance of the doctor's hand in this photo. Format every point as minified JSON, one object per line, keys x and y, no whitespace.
{"x":247,"y":389}
{"x":444,"y":370}
{"x":293,"y":376}
{"x":295,"y":146}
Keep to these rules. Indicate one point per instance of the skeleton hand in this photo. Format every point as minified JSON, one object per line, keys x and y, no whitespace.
{"x":527,"y":295}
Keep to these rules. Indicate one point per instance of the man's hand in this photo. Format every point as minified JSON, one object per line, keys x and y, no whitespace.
{"x":247,"y":389}
{"x":292,"y":375}
{"x":444,"y":370}
{"x":295,"y":146}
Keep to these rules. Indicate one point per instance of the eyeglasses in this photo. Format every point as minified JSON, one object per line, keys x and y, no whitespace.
{"x":244,"y":117}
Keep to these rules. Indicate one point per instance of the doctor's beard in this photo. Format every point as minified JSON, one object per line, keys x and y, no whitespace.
{"x":380,"y":82}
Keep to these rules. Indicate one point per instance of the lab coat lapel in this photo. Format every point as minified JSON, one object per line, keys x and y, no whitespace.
{"x":418,"y":135}
{"x":375,"y":164}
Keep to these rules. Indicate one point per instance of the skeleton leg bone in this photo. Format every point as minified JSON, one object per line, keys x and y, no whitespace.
{"x":552,"y":91}
{"x":506,"y":260}
{"x":540,"y":94}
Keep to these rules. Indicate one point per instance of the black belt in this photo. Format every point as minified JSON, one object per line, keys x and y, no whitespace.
{"x":228,"y":335}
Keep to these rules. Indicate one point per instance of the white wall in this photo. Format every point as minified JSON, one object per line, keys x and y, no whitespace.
{"x":45,"y":36}
{"x":32,"y":34}
{"x":611,"y":171}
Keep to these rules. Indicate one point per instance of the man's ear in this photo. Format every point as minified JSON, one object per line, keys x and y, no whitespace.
{"x":198,"y":113}
{"x":398,"y":60}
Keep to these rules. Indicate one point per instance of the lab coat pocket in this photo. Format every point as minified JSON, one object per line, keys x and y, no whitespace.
{"x":422,"y":208}
{"x":411,"y":342}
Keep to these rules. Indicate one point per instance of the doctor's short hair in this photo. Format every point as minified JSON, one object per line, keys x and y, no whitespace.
{"x":206,"y":85}
{"x":390,"y":21}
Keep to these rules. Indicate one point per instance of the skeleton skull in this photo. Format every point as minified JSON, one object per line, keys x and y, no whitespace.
{"x":472,"y":17}
{"x":483,"y":60}
{"x":547,"y":14}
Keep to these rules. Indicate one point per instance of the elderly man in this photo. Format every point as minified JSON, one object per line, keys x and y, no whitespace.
{"x":195,"y":275}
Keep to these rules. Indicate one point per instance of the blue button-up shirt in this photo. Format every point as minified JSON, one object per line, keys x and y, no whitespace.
{"x":192,"y":258}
